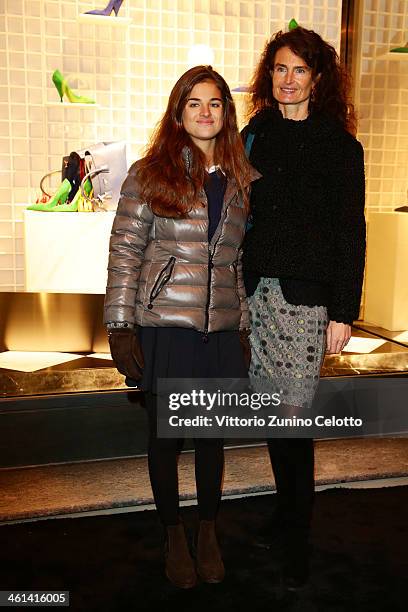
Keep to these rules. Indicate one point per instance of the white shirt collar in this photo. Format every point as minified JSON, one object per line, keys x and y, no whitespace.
{"x":214,"y":169}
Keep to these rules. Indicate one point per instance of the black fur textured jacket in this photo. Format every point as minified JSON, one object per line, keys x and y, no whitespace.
{"x":308,"y":211}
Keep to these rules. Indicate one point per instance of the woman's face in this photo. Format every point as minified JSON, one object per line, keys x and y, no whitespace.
{"x":292,"y":81}
{"x":203,"y":113}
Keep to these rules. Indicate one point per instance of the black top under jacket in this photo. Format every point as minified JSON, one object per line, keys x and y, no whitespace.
{"x":214,"y":187}
{"x":308,"y":211}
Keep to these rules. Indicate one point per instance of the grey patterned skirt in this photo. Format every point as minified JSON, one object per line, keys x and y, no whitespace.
{"x":287,"y":343}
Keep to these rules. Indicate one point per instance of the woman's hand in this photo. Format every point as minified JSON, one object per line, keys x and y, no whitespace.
{"x":338,"y":334}
{"x":245,"y":345}
{"x":126,"y":352}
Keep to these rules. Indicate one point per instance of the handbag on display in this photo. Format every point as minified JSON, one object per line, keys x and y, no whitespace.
{"x":98,"y":171}
{"x":105,"y":165}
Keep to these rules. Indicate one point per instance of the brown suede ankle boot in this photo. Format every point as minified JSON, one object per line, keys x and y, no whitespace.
{"x":179,"y":566}
{"x":210,"y":566}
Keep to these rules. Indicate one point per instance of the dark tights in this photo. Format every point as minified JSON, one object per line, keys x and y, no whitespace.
{"x":292,"y":462}
{"x":163,"y":456}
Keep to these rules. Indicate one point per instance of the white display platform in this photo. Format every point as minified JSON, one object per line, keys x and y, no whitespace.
{"x":66,"y":252}
{"x":386,"y":301}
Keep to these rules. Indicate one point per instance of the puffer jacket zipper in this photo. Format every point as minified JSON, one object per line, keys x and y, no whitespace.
{"x":211,"y":252}
{"x":207,"y":306}
{"x":161,"y":281}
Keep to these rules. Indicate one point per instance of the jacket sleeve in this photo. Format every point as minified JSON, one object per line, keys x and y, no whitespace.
{"x":349,"y":234}
{"x":244,"y":323}
{"x":129,"y":238}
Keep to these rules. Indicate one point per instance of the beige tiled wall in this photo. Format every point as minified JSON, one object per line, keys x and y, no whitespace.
{"x":129,"y":71}
{"x":382,"y":97}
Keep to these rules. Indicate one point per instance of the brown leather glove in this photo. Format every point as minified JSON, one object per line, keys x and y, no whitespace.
{"x":126,"y":352}
{"x":246,"y":347}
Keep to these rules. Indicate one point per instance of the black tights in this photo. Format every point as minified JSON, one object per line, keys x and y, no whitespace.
{"x":292,"y":462}
{"x":163,"y":456}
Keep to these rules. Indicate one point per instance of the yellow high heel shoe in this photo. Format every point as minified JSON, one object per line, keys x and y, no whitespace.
{"x":63,"y":88}
{"x":79,"y":203}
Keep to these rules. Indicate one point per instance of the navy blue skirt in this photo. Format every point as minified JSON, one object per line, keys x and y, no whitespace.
{"x":175,"y":352}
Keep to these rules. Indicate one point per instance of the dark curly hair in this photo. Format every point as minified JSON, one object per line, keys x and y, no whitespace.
{"x":331,"y":93}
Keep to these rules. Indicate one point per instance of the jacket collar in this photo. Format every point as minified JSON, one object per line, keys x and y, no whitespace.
{"x":254,"y":175}
{"x":230,"y":191}
{"x":231,"y":182}
{"x":316,"y":127}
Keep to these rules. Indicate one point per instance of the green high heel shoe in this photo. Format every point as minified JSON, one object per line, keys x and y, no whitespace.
{"x":400,"y":49}
{"x":63,"y":88}
{"x":60,"y":196}
{"x":76,"y":202}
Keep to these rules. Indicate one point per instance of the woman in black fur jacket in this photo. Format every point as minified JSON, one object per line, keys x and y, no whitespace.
{"x":304,"y":254}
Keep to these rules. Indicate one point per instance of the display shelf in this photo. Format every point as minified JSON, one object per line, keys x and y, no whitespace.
{"x":103,"y":20}
{"x":67,"y":252}
{"x":393,"y":56}
{"x":71,"y":104}
{"x":386,"y":292}
{"x":241,"y":89}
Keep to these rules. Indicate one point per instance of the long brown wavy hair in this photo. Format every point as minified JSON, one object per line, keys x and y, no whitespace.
{"x":331,"y":92}
{"x":167,"y":184}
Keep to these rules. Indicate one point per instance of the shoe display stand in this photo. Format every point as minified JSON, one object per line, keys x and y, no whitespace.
{"x":67,"y":252}
{"x":393,"y":56}
{"x":97,"y":20}
{"x":72,"y":106}
{"x":103,"y":20}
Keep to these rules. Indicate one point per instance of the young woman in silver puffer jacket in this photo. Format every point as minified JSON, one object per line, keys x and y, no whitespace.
{"x":175,"y":303}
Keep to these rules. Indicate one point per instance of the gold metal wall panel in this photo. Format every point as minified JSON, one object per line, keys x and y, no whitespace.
{"x":52,"y":322}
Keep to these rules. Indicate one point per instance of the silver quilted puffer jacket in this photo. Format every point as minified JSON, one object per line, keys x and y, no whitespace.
{"x":162,"y":272}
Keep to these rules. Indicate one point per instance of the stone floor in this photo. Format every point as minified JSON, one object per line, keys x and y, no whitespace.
{"x":96,"y":485}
